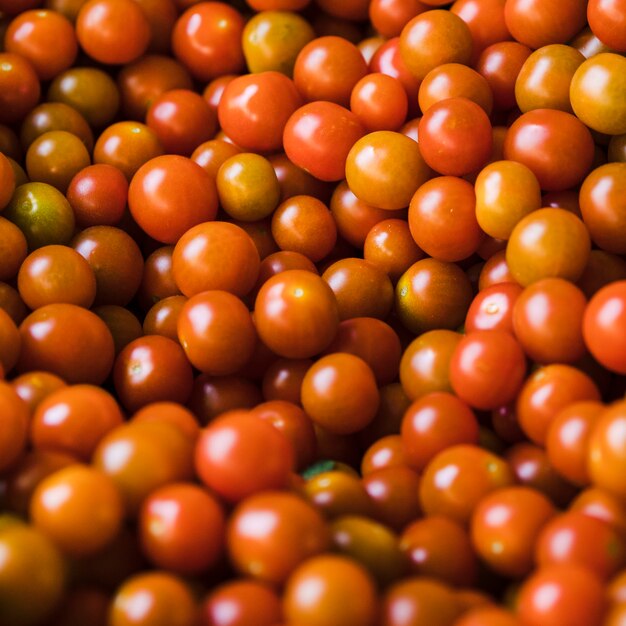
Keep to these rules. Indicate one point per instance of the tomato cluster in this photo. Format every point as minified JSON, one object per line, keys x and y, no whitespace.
{"x":313,"y":313}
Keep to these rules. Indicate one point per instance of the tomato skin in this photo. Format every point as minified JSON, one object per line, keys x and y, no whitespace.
{"x":296,"y":531}
{"x":170,"y":194}
{"x":241,"y":602}
{"x":255,"y":108}
{"x":333,"y":579}
{"x":568,"y":438}
{"x":433,"y":38}
{"x":574,"y":538}
{"x":442,"y":218}
{"x":385,"y":168}
{"x":296,"y":314}
{"x":505,"y":526}
{"x":492,"y":308}
{"x":607,"y":20}
{"x":69,"y":341}
{"x":575,"y":596}
{"x":457,"y":479}
{"x":73,"y":419}
{"x":432,"y":424}
{"x":20,"y":87}
{"x":558,"y":248}
{"x":33,"y":575}
{"x":85,"y":516}
{"x":439,"y":547}
{"x":455,"y":137}
{"x":318,"y":137}
{"x":112,"y":31}
{"x":541,"y":139}
{"x":151,"y":598}
{"x":606,"y":456}
{"x":548,"y":390}
{"x":339,"y":393}
{"x":207,"y":40}
{"x":14,"y":433}
{"x":547,"y":319}
{"x":217,"y":333}
{"x":239,"y":454}
{"x":604,"y":326}
{"x":597,"y":93}
{"x":181,"y":528}
{"x":487,"y":368}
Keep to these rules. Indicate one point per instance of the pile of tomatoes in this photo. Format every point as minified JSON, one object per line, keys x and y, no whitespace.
{"x":312,"y":313}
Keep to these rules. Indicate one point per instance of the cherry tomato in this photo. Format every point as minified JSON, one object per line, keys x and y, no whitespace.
{"x":181,"y":528}
{"x":239,"y":454}
{"x":328,"y":581}
{"x":487,"y":368}
{"x":603,"y":326}
{"x":170,"y":194}
{"x":79,"y":508}
{"x":294,"y":532}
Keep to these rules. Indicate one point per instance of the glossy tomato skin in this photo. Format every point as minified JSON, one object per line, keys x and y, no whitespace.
{"x":73,"y":420}
{"x":80,"y":336}
{"x":455,"y":136}
{"x":318,"y":137}
{"x":547,"y":319}
{"x":603,"y":326}
{"x":601,"y":206}
{"x":297,"y":532}
{"x":153,"y":597}
{"x":432,"y":38}
{"x":333,"y":578}
{"x":492,"y":308}
{"x":558,"y":248}
{"x":339,"y":393}
{"x":181,"y":528}
{"x":576,"y":597}
{"x":457,"y":478}
{"x":239,"y":454}
{"x":432,"y":295}
{"x":296,"y":314}
{"x":215,"y":256}
{"x":165,"y":185}
{"x":607,"y":20}
{"x":428,"y":545}
{"x":542,"y":139}
{"x":578,"y":539}
{"x":606,"y":453}
{"x":487,"y":368}
{"x":33,"y":574}
{"x":505,"y":526}
{"x":150,"y":369}
{"x":548,"y":390}
{"x":102,"y":26}
{"x":442,"y":218}
{"x":14,"y":435}
{"x":537,"y":24}
{"x":155,"y":454}
{"x":241,"y":602}
{"x":86,"y":518}
{"x":597,"y":93}
{"x":207,"y":40}
{"x":433,"y":423}
{"x":254,"y":110}
{"x":217,"y":333}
